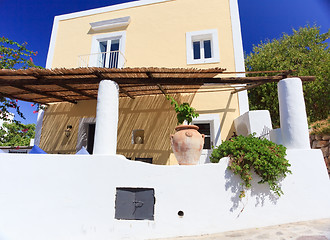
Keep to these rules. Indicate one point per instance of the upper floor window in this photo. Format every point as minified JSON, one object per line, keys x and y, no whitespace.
{"x":108,"y":50}
{"x":109,"y":53}
{"x":202,"y":47}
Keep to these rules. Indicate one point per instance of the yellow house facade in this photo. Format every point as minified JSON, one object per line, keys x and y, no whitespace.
{"x":147,"y":33}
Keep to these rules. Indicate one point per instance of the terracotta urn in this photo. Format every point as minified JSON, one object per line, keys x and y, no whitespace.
{"x":187,"y":144}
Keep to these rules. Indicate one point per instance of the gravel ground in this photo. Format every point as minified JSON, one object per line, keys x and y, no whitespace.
{"x":309,"y":230}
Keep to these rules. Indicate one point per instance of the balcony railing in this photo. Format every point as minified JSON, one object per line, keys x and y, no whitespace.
{"x":112,"y":59}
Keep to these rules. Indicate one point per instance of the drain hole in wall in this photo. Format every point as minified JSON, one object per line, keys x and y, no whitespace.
{"x":180,"y":213}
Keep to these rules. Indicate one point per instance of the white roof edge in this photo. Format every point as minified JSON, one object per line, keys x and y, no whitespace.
{"x":243,"y":101}
{"x":109,"y":9}
{"x":51,"y":47}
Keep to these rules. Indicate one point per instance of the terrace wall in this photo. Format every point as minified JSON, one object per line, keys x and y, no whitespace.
{"x":59,"y":197}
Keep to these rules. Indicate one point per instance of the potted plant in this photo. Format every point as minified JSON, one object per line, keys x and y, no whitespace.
{"x":187,"y":143}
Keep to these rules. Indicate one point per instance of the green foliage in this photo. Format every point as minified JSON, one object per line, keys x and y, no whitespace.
{"x":264,"y":157}
{"x":184,"y":111}
{"x":321,"y":127}
{"x":13,"y":134}
{"x":13,"y":56}
{"x":305,"y":51}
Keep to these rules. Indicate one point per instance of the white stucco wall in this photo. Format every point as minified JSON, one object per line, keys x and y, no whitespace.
{"x":258,"y":122}
{"x":72,"y":197}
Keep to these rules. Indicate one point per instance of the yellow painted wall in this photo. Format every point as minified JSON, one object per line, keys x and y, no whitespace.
{"x":56,"y":118}
{"x":156,"y":35}
{"x":154,"y":114}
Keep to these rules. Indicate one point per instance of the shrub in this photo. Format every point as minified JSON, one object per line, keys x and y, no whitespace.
{"x":307,"y":51}
{"x":321,"y":127}
{"x":264,"y":157}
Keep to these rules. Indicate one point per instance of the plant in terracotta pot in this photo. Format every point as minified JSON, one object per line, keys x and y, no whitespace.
{"x":187,"y":142}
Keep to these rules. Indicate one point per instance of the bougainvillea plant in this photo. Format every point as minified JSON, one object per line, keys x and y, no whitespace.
{"x":248,"y":154}
{"x":13,"y":56}
{"x":13,"y":134}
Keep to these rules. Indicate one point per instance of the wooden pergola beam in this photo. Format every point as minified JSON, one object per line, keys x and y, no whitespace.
{"x":98,"y":75}
{"x":40,"y":73}
{"x":45,"y":94}
{"x":77,"y":91}
{"x":253,"y":72}
{"x":101,"y":77}
{"x":53,"y":81}
{"x":126,"y":93}
{"x":283,"y":75}
{"x":162,"y":89}
{"x":14,"y":97}
{"x":246,"y":88}
{"x":149,"y":74}
{"x":153,"y":81}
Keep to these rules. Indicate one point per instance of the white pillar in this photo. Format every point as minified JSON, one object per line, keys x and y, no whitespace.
{"x":37,"y":135}
{"x":294,"y":126}
{"x":105,"y":141}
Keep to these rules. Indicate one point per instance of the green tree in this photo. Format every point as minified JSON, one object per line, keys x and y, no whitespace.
{"x":305,"y":51}
{"x":14,"y":134}
{"x":13,"y":56}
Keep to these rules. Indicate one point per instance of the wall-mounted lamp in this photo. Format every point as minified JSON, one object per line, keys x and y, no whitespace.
{"x":68,"y":130}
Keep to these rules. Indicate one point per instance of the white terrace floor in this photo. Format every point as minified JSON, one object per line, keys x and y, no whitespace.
{"x":309,"y":230}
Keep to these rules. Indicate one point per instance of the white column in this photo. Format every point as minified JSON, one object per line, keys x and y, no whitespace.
{"x":37,"y":135}
{"x":105,"y":141}
{"x":294,"y":126}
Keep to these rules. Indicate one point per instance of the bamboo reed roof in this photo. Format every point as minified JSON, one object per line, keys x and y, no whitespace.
{"x":72,"y":85}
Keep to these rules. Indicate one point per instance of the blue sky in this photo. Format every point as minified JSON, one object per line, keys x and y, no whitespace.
{"x":32,"y":20}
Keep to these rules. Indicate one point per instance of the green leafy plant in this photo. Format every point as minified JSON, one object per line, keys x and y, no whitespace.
{"x":184,"y":111}
{"x":16,"y":134}
{"x":307,"y":51}
{"x":250,"y":153}
{"x":13,"y":56}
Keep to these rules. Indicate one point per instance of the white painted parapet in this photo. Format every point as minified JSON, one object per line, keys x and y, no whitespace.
{"x":73,"y":197}
{"x":293,"y":118}
{"x":105,"y":141}
{"x":258,"y":122}
{"x":276,"y":136}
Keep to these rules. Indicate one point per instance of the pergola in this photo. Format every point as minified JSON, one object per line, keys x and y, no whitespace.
{"x":73,"y":85}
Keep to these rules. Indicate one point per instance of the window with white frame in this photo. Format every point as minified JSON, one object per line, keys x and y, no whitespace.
{"x":209,"y":125}
{"x":205,"y":128}
{"x":108,"y":50}
{"x":202,"y":47}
